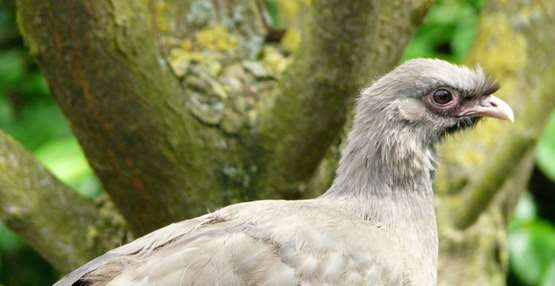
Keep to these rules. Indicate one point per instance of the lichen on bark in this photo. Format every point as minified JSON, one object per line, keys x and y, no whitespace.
{"x":344,"y":46}
{"x":50,"y":216}
{"x":126,"y":108}
{"x":483,"y":172}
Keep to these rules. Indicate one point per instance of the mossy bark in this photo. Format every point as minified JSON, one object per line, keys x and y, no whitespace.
{"x":62,"y":226}
{"x":345,"y":44}
{"x":127,"y":109}
{"x":159,"y":157}
{"x":484,"y":171}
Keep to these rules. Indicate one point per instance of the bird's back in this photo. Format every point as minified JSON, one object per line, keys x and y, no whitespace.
{"x":260,"y":243}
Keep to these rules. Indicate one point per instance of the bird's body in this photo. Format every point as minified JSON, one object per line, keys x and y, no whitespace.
{"x":285,"y":243}
{"x":374,"y":226}
{"x":275,"y":243}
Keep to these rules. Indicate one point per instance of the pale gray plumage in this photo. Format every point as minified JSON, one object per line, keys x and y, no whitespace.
{"x":374,"y":226}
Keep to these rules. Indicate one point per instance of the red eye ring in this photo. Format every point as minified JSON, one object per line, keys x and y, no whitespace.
{"x":442,"y":97}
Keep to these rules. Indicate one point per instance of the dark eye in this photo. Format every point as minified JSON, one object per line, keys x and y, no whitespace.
{"x":442,"y":96}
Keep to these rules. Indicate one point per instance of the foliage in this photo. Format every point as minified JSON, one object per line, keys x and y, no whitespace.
{"x":448,"y":31}
{"x":531,"y":245}
{"x":546,"y":149}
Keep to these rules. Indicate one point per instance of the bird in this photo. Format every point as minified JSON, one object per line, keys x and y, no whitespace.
{"x":375,"y":225}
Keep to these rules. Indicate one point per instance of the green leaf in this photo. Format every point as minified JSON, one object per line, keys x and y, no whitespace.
{"x":549,"y":278}
{"x":465,"y":33}
{"x":65,"y":159}
{"x":546,"y":149}
{"x":6,"y":114}
{"x":444,"y":13}
{"x":37,"y":124}
{"x":8,"y":239}
{"x":531,"y":250}
{"x":12,"y":67}
{"x":272,"y":6}
{"x":9,"y":34}
{"x":525,"y":211}
{"x":448,"y":32}
{"x":35,"y":86}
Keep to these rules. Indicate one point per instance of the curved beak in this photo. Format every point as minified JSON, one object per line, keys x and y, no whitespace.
{"x":491,"y":106}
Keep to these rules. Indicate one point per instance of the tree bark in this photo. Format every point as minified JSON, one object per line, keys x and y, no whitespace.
{"x":104,"y":67}
{"x":159,"y":159}
{"x":484,"y":171}
{"x":344,"y":46}
{"x":65,"y":228}
{"x":127,"y":109}
{"x":518,"y":141}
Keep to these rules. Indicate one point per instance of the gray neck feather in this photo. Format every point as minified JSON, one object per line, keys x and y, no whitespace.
{"x":385,"y":177}
{"x":384,"y":156}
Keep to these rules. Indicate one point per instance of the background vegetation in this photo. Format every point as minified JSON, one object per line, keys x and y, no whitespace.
{"x":29,"y":114}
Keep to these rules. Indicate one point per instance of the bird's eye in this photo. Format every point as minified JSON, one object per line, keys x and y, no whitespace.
{"x":442,"y":96}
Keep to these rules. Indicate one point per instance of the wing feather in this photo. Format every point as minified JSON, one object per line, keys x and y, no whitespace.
{"x":259,"y":243}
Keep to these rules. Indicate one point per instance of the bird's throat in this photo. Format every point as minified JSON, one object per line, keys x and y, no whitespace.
{"x":384,"y":164}
{"x":387,"y":177}
{"x":389,"y":184}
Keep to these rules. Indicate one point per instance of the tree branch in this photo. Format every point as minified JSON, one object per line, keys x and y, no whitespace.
{"x":127,"y":109}
{"x":63,"y":227}
{"x":521,"y":60}
{"x":344,"y":46}
{"x":517,"y":142}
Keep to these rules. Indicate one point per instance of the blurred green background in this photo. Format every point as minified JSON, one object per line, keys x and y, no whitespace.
{"x":29,"y":114}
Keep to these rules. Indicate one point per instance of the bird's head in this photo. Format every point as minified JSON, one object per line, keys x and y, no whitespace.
{"x":429,"y":98}
{"x":402,"y":115}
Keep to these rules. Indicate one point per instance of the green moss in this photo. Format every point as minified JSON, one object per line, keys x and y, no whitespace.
{"x":500,"y":49}
{"x":26,"y":29}
{"x":122,"y":12}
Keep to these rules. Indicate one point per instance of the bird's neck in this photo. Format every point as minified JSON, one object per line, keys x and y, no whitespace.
{"x":385,"y":177}
{"x":380,"y":161}
{"x":386,"y":170}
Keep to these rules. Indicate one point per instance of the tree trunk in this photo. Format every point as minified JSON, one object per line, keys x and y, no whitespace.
{"x":170,"y":142}
{"x":345,"y":45}
{"x":126,"y":107}
{"x":484,"y":171}
{"x":137,"y":124}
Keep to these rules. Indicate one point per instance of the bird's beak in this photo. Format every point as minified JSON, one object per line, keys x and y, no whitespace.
{"x":491,"y":106}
